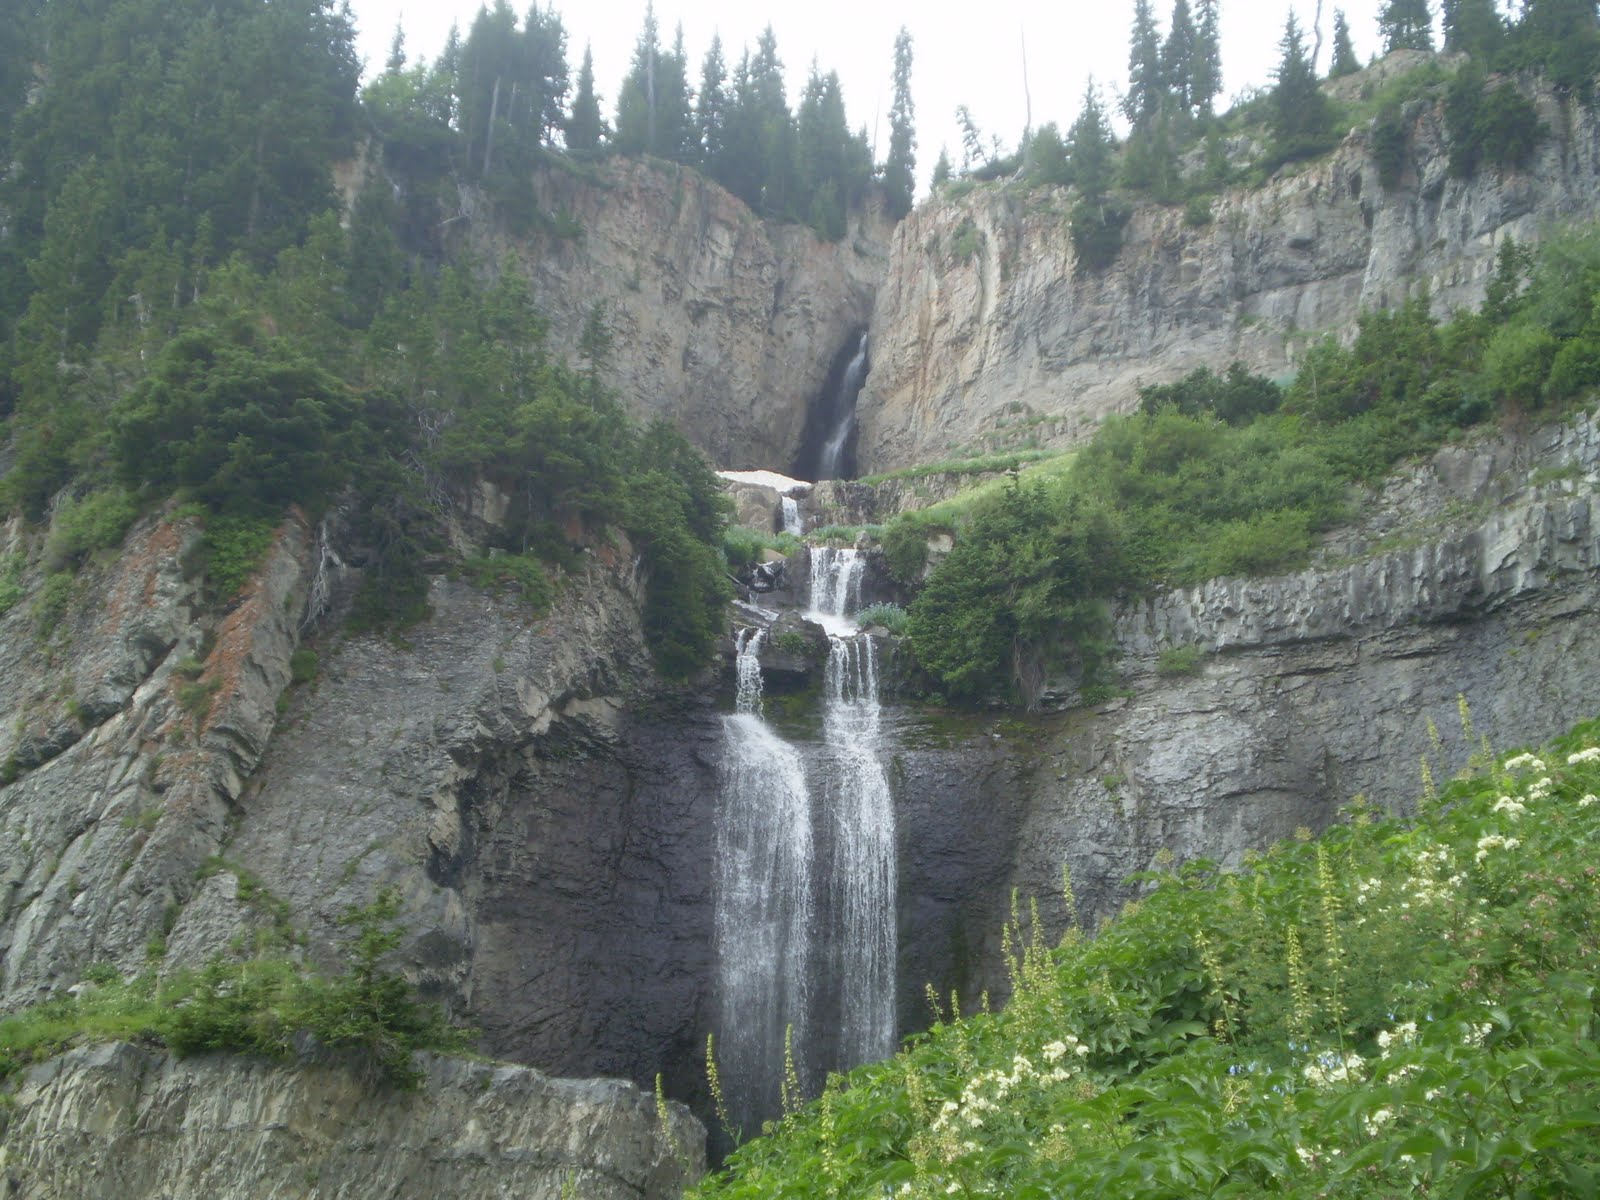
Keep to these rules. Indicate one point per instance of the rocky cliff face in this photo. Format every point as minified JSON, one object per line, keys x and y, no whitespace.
{"x":116,"y":1122}
{"x":1477,"y":577}
{"x":722,"y":322}
{"x":983,"y":335}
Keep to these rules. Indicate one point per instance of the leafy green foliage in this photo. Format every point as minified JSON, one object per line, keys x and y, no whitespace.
{"x":256,"y":1006}
{"x":891,"y":616}
{"x":1237,"y":397}
{"x":85,"y":524}
{"x":245,"y":426}
{"x":1392,"y":1009}
{"x":522,"y":574}
{"x":231,"y":549}
{"x":1494,"y":125}
{"x":742,"y":545}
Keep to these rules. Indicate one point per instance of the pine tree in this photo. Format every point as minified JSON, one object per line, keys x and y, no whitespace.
{"x":711,"y":109}
{"x":1344,"y":51}
{"x":1473,"y":27}
{"x":1406,"y":25}
{"x":1299,"y":115}
{"x":1090,"y":146}
{"x":775,"y":128}
{"x":899,"y":169}
{"x":1207,"y":58}
{"x":941,"y":169}
{"x":1178,"y":55}
{"x":585,"y":127}
{"x":638,"y":105}
{"x":1143,"y":100}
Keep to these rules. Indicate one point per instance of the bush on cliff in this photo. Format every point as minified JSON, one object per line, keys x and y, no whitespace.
{"x":1391,"y":1009}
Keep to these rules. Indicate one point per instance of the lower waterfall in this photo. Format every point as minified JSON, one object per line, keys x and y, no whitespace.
{"x":764,"y":903}
{"x":805,"y":873}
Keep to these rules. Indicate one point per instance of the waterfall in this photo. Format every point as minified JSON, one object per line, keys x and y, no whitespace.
{"x":831,"y":988}
{"x":792,"y":521}
{"x":764,"y":904}
{"x":835,"y":589}
{"x":832,"y":459}
{"x":862,"y":811}
{"x":863,"y":853}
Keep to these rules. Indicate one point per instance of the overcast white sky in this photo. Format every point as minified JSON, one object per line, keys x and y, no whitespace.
{"x":969,"y":54}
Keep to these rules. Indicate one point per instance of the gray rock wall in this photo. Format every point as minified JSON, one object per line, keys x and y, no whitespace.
{"x":1005,"y":345}
{"x":722,"y":322}
{"x":117,"y":1122}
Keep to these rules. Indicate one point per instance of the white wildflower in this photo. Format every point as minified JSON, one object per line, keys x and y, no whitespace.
{"x":1377,"y":1121}
{"x":1054,"y":1051}
{"x":1591,"y":755}
{"x":1524,"y":762}
{"x":1511,"y":807}
{"x":1586,"y":800}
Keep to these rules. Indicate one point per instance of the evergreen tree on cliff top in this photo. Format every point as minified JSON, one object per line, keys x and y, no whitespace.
{"x":585,"y":127}
{"x":899,"y":169}
{"x":1177,"y":56}
{"x":1406,"y":25}
{"x":1207,"y":85}
{"x":1344,"y":51}
{"x":1143,"y":100}
{"x":1299,"y":116}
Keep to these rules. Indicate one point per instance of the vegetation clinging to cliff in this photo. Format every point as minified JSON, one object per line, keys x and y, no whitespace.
{"x":177,"y":323}
{"x":1386,"y":1010}
{"x":1226,"y":475}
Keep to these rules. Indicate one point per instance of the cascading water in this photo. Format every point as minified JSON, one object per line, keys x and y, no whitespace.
{"x":777,"y":973}
{"x":863,"y":853}
{"x":764,"y":902}
{"x":831,"y":461}
{"x":862,"y":811}
{"x":793,"y":522}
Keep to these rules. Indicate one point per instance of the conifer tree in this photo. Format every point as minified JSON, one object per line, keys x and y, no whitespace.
{"x":638,"y":103}
{"x":1299,"y":115}
{"x":1344,"y":51}
{"x":711,"y":110}
{"x":1178,"y":56}
{"x":941,"y":169}
{"x":1406,"y":25}
{"x":1207,"y":58}
{"x":585,"y":127}
{"x":1143,"y":100}
{"x":899,"y":169}
{"x":1473,"y":27}
{"x":1090,"y":146}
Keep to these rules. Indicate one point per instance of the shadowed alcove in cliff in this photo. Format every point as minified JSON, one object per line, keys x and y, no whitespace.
{"x":828,"y":445}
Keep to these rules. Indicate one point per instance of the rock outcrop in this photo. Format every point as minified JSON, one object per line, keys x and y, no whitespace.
{"x":1477,"y":578}
{"x":985,"y":337}
{"x":722,"y":322}
{"x":118,"y":1122}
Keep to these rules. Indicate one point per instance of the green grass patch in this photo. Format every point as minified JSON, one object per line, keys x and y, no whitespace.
{"x":1390,"y":1009}
{"x":521,"y":575}
{"x":256,"y":1006}
{"x":891,"y":616}
{"x":983,"y":464}
{"x":1180,"y":660}
{"x":742,"y":545}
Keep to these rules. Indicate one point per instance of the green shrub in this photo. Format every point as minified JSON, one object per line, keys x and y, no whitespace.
{"x":231,"y":549}
{"x":742,"y":545}
{"x":10,"y":582}
{"x":195,"y":697}
{"x":522,"y":574}
{"x":792,"y":643}
{"x":905,"y":551}
{"x":255,"y":1006}
{"x":1180,"y":660}
{"x":1197,"y":212}
{"x":86,"y":524}
{"x":1516,"y":363}
{"x":302,"y":666}
{"x":50,"y":605}
{"x":891,"y":616}
{"x":1096,"y":227}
